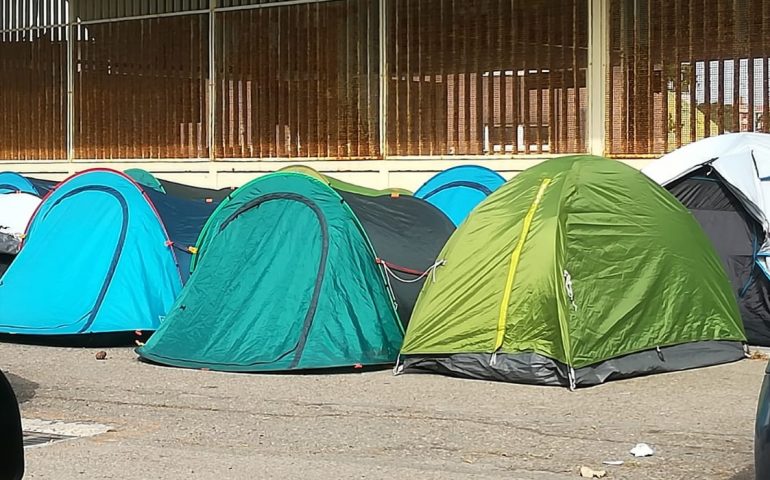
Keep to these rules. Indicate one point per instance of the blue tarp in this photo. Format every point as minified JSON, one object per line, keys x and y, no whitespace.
{"x":97,"y":259}
{"x":458,"y":190}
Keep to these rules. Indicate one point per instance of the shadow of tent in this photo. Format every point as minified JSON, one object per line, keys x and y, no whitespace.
{"x":23,"y":388}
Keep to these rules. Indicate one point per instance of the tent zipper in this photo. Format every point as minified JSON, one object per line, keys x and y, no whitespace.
{"x":514,"y":263}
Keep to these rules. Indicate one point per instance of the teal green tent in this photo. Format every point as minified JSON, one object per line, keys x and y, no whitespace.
{"x":577,"y":271}
{"x":145,"y":178}
{"x":285,"y":279}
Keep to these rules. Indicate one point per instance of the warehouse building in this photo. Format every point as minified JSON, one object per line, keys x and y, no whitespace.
{"x":381,"y":92}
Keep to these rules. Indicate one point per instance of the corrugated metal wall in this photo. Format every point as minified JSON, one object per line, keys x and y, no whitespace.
{"x":293,"y":79}
{"x":684,"y":70}
{"x":33,"y":80}
{"x":140,"y":88}
{"x":305,"y":80}
{"x":486,"y":76}
{"x":298,"y":81}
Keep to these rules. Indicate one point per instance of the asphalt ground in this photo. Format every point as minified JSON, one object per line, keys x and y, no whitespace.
{"x":169,"y":423}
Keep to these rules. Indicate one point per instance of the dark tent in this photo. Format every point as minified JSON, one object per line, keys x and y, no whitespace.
{"x":737,"y":237}
{"x":190,"y":192}
{"x":407,"y":234}
{"x":42,"y":186}
{"x":183,"y":220}
{"x":11,"y":437}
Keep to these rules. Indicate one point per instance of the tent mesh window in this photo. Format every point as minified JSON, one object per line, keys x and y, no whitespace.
{"x":486,"y":77}
{"x":685,"y":70}
{"x":298,"y":80}
{"x":140,"y":88}
{"x":33,"y":80}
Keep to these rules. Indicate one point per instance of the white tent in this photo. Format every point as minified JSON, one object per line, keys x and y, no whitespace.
{"x":742,"y":161}
{"x":15,"y":211}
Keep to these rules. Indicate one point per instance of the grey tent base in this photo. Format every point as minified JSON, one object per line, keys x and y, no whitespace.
{"x":535,"y":369}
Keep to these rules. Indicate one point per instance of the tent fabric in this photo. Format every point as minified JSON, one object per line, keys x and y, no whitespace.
{"x":736,"y":236}
{"x":458,"y":190}
{"x":724,"y":182}
{"x":581,"y":261}
{"x":11,"y":182}
{"x":339,"y":185}
{"x":15,"y":211}
{"x":742,"y":160}
{"x":43,"y":187}
{"x":407,"y":233}
{"x":189,"y":192}
{"x":183,"y":220}
{"x":145,"y":179}
{"x":11,"y":435}
{"x":285,"y":280}
{"x":96,"y":259}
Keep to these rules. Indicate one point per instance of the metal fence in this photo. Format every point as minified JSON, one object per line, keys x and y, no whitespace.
{"x":140,"y":79}
{"x":685,"y":70}
{"x":229,"y":79}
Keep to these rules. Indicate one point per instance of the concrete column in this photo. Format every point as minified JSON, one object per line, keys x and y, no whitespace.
{"x":598,"y":56}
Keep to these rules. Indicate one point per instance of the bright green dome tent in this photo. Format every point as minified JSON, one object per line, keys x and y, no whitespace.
{"x":577,"y":271}
{"x":286,"y":279}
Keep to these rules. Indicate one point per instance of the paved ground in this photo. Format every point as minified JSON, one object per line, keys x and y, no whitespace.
{"x":184,"y":424}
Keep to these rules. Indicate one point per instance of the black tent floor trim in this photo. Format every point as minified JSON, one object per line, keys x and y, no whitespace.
{"x":79,"y":340}
{"x":535,"y":369}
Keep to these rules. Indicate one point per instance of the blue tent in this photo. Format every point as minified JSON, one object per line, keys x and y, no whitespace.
{"x":98,"y":258}
{"x":11,"y":182}
{"x":458,"y":190}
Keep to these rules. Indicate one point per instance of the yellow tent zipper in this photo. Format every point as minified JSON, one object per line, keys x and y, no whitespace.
{"x":514,"y":263}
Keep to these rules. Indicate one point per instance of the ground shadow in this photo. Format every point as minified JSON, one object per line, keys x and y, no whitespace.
{"x":87,"y":340}
{"x":351,"y":370}
{"x":745,"y":474}
{"x":23,"y":389}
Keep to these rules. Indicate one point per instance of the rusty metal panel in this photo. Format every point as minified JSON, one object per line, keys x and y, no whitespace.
{"x":686,"y":70}
{"x":244,"y":3}
{"x":96,"y":10}
{"x":140,"y":88}
{"x":298,"y":81}
{"x":486,"y":77}
{"x":33,"y":79}
{"x":33,"y":94}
